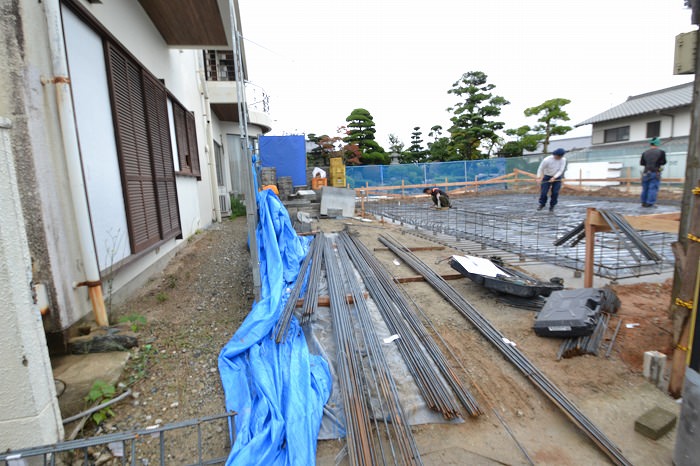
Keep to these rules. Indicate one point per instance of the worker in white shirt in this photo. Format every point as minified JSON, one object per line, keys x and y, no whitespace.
{"x":549,"y":175}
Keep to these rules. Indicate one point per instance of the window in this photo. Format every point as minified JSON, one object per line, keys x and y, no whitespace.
{"x":186,"y":140}
{"x":617,"y":134}
{"x":654,"y":129}
{"x":218,"y":155}
{"x":140,"y":107}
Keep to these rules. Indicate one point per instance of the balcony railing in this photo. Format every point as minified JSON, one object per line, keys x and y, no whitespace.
{"x":220,"y":66}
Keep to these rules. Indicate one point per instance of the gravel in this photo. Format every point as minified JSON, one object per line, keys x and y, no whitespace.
{"x":191,"y":309}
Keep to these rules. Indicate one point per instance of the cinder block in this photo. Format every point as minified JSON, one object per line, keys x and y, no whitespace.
{"x":655,"y":423}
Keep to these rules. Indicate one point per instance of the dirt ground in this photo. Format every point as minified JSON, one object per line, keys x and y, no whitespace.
{"x":197,"y":303}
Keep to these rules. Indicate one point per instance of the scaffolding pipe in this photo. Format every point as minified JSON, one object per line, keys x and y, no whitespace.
{"x":250,"y":196}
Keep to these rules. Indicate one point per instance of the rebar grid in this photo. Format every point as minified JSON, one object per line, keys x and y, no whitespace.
{"x":508,"y":223}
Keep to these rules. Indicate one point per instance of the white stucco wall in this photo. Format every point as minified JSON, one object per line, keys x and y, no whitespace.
{"x":29,"y":412}
{"x":181,"y":71}
{"x":97,"y":141}
{"x":27,"y":87}
{"x":676,"y":125}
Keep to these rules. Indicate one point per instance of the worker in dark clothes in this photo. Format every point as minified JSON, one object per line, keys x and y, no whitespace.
{"x":440,"y":197}
{"x":652,"y":160}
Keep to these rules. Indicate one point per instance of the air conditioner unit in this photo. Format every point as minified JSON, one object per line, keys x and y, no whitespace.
{"x":225,"y":204}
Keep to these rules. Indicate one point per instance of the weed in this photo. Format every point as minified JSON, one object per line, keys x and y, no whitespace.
{"x":136,"y":321}
{"x":171,"y":281}
{"x":161,"y":297}
{"x":138,"y":362}
{"x":114,"y":246}
{"x":237,"y":208}
{"x":101,"y":392}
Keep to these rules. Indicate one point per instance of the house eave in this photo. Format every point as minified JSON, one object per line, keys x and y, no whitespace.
{"x":193,"y":23}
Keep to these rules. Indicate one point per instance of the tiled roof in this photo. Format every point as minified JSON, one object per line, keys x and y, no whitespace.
{"x":663,"y":99}
{"x":568,"y":144}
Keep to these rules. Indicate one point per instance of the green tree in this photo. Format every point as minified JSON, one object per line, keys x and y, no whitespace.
{"x":395,"y":144}
{"x":473,"y":125}
{"x":524,"y":140}
{"x":439,"y":150}
{"x":550,"y":113}
{"x":326,"y":147}
{"x":435,"y":133}
{"x":416,"y":152}
{"x":360,"y":132}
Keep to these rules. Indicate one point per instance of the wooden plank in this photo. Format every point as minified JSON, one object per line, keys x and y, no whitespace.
{"x":452,"y":276}
{"x":668,"y":223}
{"x":590,"y":228}
{"x":326,"y":300}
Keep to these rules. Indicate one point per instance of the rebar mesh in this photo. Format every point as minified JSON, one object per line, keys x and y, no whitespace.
{"x":511,"y":223}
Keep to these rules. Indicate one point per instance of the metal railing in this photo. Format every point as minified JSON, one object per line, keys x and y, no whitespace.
{"x":201,"y":441}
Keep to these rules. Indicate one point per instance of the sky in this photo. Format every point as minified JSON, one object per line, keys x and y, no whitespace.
{"x":320,"y":59}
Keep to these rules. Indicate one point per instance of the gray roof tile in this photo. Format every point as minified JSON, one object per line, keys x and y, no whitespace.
{"x":663,"y":99}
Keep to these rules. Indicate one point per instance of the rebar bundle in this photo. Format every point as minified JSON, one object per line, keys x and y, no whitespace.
{"x":282,"y":325}
{"x":311,"y":298}
{"x":429,"y":369}
{"x":589,"y":344}
{"x":509,"y":351}
{"x":360,"y":353}
{"x":358,"y":429}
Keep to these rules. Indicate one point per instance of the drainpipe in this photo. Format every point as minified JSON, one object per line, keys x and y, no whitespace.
{"x":204,"y":92}
{"x":673,"y":121}
{"x":71,"y":150}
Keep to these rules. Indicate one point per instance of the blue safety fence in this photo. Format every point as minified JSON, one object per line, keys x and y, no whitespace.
{"x":440,"y":173}
{"x":436,"y":173}
{"x":278,"y":390}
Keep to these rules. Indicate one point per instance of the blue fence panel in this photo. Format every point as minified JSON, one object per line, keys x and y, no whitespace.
{"x":436,"y":173}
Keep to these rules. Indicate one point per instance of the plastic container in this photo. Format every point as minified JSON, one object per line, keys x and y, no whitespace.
{"x":569,"y":313}
{"x":318,"y":183}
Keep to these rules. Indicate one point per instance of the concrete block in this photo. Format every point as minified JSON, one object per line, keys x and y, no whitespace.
{"x":654,"y":367}
{"x":337,"y":202}
{"x":655,"y":423}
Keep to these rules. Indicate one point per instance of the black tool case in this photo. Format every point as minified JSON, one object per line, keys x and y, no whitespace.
{"x":507,"y":280}
{"x":569,"y":313}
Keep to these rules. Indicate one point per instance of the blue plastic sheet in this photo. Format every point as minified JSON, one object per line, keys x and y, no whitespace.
{"x":287,"y":154}
{"x":278,"y":390}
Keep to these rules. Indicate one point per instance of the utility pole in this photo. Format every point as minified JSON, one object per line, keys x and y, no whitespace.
{"x":251,"y":205}
{"x":685,"y":378}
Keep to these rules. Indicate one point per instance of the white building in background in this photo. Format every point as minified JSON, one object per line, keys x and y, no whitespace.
{"x":664,"y":113}
{"x":123,"y":126}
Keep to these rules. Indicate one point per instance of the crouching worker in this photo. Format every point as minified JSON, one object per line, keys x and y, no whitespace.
{"x":440,"y":197}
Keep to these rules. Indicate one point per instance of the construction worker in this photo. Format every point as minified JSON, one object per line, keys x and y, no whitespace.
{"x":549,"y":175}
{"x":652,"y":160}
{"x":440,"y":197}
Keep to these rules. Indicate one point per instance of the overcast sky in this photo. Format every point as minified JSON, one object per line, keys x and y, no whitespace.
{"x":320,"y":59}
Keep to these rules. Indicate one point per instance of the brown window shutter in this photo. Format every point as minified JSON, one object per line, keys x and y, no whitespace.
{"x":132,"y":141}
{"x":161,"y":156}
{"x":192,"y":144}
{"x":183,"y":150}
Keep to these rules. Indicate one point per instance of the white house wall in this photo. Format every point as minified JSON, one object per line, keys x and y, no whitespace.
{"x":181,"y":71}
{"x":676,"y":125}
{"x":28,"y":95}
{"x":97,"y":143}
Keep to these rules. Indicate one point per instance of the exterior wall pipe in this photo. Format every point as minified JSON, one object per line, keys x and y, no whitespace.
{"x":69,"y":135}
{"x":209,"y":132}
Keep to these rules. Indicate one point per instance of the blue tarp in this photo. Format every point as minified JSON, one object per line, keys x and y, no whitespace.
{"x":278,"y":390}
{"x":287,"y":154}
